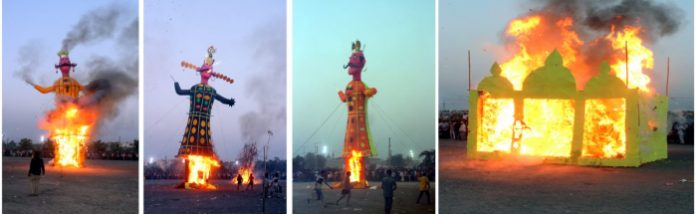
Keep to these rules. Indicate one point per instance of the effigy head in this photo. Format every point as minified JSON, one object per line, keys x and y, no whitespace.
{"x":357,"y":61}
{"x":206,"y":70}
{"x":64,"y":64}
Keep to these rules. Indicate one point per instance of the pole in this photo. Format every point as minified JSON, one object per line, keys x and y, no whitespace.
{"x":469,"y":54}
{"x":627,"y":65}
{"x":667,"y":85}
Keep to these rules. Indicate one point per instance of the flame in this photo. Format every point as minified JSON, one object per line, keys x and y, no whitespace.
{"x":355,"y":166}
{"x":639,"y":57}
{"x":495,"y":131}
{"x":605,"y":128}
{"x":549,"y":127}
{"x":199,"y":171}
{"x":546,"y":125}
{"x":69,"y":126}
{"x":245,"y":172}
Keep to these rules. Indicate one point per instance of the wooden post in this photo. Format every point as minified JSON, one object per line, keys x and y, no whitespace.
{"x":469,"y":87}
{"x":667,"y":85}
{"x":627,"y":66}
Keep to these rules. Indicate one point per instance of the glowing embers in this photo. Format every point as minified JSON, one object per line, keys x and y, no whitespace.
{"x":605,"y":128}
{"x":547,"y":127}
{"x":495,"y":131}
{"x":69,"y":128}
{"x":355,"y":166}
{"x":199,"y":171}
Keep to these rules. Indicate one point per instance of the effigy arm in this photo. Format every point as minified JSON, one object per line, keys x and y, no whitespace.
{"x":224,"y":100}
{"x":179,"y":91}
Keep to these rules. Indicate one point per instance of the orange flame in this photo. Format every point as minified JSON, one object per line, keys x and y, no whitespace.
{"x":69,"y":127}
{"x":245,"y":172}
{"x":355,"y":166}
{"x":639,"y":57}
{"x":199,"y":171}
{"x":546,"y":125}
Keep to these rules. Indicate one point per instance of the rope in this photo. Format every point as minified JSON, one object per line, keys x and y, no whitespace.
{"x":317,"y":130}
{"x":395,"y":124}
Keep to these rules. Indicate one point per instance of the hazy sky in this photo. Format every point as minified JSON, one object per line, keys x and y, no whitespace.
{"x":41,"y":26}
{"x":250,"y":40}
{"x":400,"y":53}
{"x":478,"y":26}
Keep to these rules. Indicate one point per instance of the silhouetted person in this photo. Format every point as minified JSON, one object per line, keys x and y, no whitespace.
{"x":346,"y":189}
{"x":239,"y":181}
{"x":36,"y":170}
{"x":424,"y":185}
{"x":388,"y":187}
{"x":251,"y":182}
{"x":317,"y":187}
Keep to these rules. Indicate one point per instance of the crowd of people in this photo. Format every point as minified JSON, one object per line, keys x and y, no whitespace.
{"x":336,"y":175}
{"x":453,"y":125}
{"x":133,"y":156}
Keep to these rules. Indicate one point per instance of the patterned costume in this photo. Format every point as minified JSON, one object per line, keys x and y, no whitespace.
{"x":197,"y":136}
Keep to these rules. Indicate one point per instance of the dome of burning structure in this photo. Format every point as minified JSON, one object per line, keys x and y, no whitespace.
{"x":551,"y":80}
{"x":605,"y":84}
{"x":495,"y":84}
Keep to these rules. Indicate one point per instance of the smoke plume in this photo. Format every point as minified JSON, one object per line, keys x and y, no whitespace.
{"x":94,"y":26}
{"x":267,"y":88}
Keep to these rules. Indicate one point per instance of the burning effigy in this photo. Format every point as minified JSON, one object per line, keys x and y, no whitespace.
{"x":570,"y":99}
{"x":196,"y":148}
{"x":69,"y":125}
{"x":358,"y":141}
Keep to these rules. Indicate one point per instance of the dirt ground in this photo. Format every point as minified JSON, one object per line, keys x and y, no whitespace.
{"x":161,"y":196}
{"x":362,"y":200}
{"x":103,"y":186}
{"x":529,"y":186}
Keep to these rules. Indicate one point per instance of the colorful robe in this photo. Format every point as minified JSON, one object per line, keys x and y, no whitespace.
{"x":197,"y":136}
{"x":357,"y":136}
{"x":65,"y":86}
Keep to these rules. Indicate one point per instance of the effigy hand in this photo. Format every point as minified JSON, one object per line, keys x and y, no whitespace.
{"x":342,"y":96}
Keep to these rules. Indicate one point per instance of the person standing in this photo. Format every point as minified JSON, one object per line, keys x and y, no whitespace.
{"x":239,"y":181}
{"x":388,"y":187}
{"x":424,"y":187}
{"x":347,"y":186}
{"x":36,"y":170}
{"x":250,"y":184}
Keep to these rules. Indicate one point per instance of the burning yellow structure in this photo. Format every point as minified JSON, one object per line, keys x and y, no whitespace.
{"x":606,"y":124}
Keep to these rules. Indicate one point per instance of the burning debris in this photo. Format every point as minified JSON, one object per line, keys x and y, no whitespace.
{"x":196,"y":145}
{"x":358,"y":141}
{"x":247,"y":159}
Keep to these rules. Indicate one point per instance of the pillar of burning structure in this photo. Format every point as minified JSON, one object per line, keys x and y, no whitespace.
{"x":358,"y":141}
{"x":196,"y":145}
{"x":69,"y":125}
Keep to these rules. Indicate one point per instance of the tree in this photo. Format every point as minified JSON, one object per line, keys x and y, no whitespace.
{"x":298,"y":163}
{"x":428,"y":159}
{"x":25,"y":144}
{"x":397,"y":161}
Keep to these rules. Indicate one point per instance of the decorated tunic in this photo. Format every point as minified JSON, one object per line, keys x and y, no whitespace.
{"x":65,"y":86}
{"x":357,"y":136}
{"x":197,"y":136}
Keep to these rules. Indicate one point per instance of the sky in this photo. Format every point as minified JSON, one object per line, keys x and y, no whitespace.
{"x":251,"y":48}
{"x":400,"y":54}
{"x":471,"y":25}
{"x":42,"y":26}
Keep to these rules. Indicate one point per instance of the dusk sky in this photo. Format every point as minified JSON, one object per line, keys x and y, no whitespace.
{"x":478,"y":26}
{"x":250,"y":40}
{"x":37,"y":28}
{"x":400,"y":54}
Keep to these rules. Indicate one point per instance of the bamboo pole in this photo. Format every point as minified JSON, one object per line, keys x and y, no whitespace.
{"x":627,"y":66}
{"x":667,"y":85}
{"x":469,"y":54}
